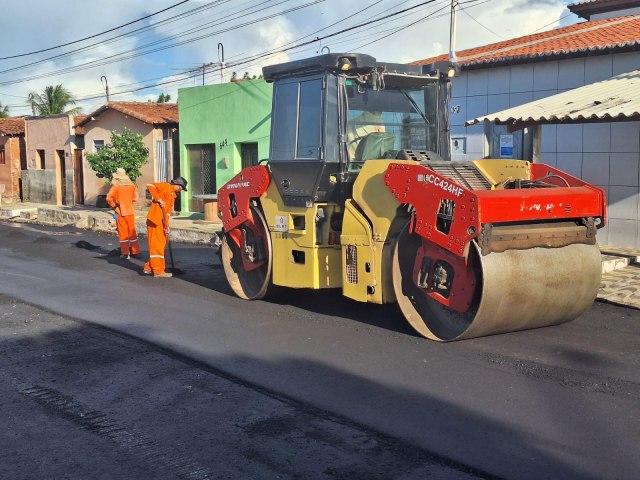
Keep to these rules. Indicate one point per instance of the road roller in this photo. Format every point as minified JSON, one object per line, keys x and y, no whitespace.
{"x":359,"y":194}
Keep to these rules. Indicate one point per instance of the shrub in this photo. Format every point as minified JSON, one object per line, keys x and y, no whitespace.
{"x":126,"y":151}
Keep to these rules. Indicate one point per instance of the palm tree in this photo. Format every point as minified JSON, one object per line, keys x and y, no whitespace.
{"x":53,"y":101}
{"x":4,"y":111}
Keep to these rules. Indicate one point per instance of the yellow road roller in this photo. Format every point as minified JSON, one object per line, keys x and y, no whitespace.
{"x":359,"y":194}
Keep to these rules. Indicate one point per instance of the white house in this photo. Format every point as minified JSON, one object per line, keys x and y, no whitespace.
{"x":515,"y":72}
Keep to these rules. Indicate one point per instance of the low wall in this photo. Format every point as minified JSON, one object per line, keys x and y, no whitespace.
{"x":39,"y":186}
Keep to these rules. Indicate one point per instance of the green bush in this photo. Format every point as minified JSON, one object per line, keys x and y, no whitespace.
{"x":126,"y":151}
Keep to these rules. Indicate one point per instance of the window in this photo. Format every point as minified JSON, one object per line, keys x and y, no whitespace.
{"x":41,"y":159}
{"x":2,"y":159}
{"x":381,"y":122}
{"x":284,"y":115}
{"x":98,"y":145}
{"x":298,"y":114}
{"x":309,"y":119}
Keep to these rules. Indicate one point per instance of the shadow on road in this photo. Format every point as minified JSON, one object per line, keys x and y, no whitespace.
{"x":201,"y":266}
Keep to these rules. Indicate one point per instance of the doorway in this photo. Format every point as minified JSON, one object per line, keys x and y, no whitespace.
{"x":78,"y":178}
{"x":202,"y":173}
{"x":249,"y":154}
{"x":61,"y":178}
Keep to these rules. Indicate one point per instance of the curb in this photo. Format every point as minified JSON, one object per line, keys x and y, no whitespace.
{"x":103,"y":222}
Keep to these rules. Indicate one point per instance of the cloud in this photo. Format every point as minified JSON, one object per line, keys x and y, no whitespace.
{"x":415,"y":35}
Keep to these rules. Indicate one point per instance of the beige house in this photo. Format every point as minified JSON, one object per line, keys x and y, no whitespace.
{"x":53,"y":172}
{"x":12,"y":158}
{"x":158,"y":125}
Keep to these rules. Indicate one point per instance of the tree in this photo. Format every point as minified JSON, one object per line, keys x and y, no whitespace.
{"x":126,"y":151}
{"x":163,"y":98}
{"x":4,"y":111}
{"x":53,"y":101}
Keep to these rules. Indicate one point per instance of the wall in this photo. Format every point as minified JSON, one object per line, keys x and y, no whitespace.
{"x":606,"y":154}
{"x":226,"y":115}
{"x":10,"y":172}
{"x":39,"y":186}
{"x":100,"y":129}
{"x":49,"y":134}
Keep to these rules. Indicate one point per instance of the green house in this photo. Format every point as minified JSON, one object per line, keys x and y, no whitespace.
{"x":223,"y":129}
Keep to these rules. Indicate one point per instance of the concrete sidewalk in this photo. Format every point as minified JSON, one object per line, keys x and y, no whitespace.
{"x":620,"y":267}
{"x":620,"y":276}
{"x":186,"y":229}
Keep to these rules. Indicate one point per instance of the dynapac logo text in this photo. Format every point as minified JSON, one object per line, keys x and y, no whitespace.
{"x":237,"y":185}
{"x":442,"y":183}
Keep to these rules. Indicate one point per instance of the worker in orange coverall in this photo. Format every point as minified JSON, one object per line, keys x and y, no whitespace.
{"x":121,"y":197}
{"x":163,"y":196}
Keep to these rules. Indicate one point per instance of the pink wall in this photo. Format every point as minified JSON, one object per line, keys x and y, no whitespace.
{"x":49,"y":134}
{"x":100,"y":129}
{"x":10,"y":171}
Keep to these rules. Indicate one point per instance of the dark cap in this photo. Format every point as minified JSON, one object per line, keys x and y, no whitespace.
{"x":180,"y":181}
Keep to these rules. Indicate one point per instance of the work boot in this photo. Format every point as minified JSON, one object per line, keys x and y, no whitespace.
{"x":124,"y":256}
{"x":147,"y":272}
{"x":164,"y":275}
{"x":135,"y":255}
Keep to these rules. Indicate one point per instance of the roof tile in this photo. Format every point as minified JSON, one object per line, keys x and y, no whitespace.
{"x":582,"y":38}
{"x":148,"y":112}
{"x":77,"y":119}
{"x":12,"y":125}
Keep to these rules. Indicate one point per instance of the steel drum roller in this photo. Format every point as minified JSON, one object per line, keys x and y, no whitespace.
{"x":513,"y":290}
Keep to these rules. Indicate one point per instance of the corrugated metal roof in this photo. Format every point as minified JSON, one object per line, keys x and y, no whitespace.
{"x":617,"y":98}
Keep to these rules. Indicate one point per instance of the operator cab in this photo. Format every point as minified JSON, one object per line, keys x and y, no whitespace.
{"x":334,"y":112}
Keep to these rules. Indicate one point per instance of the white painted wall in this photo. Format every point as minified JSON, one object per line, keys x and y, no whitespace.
{"x":607,"y":154}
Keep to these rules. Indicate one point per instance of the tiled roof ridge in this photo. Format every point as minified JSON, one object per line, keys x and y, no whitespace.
{"x":564,"y":34}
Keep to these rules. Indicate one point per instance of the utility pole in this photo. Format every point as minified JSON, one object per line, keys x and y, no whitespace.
{"x":221,"y":60}
{"x":106,"y":86}
{"x":452,"y":32}
{"x":204,"y":65}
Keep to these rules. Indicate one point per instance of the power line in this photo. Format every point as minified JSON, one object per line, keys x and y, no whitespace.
{"x":273,"y":52}
{"x":482,"y":25}
{"x":265,"y":55}
{"x":121,"y":55}
{"x":552,"y":23}
{"x":119,"y":37}
{"x":97,"y":34}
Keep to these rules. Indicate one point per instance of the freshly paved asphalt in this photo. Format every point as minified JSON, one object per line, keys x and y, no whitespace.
{"x":82,"y":402}
{"x":560,"y":402}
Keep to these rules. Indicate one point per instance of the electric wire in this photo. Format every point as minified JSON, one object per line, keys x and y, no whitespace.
{"x":107,"y":41}
{"x":97,"y":34}
{"x":189,"y":75}
{"x":120,"y":56}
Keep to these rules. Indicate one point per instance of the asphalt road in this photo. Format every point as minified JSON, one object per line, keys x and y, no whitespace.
{"x":560,"y":402}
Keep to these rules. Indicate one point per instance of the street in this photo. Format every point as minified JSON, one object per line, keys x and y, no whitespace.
{"x":112,"y":374}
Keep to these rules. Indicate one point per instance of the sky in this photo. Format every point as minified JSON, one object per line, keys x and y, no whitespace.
{"x":141,"y":49}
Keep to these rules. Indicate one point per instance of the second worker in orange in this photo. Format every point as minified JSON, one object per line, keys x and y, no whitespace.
{"x":163,"y":195}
